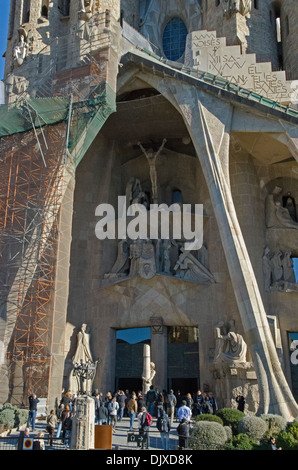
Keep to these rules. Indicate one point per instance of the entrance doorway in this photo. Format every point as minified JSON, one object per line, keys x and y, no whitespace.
{"x":129,"y":358}
{"x":184,"y":385}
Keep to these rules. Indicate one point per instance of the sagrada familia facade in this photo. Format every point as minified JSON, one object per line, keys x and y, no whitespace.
{"x":152,"y":102}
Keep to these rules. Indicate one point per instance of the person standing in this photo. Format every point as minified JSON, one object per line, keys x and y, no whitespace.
{"x":97,"y":406}
{"x":163,"y":424}
{"x":144,"y":422}
{"x":183,"y":429}
{"x":150,"y":400}
{"x":198,"y":403}
{"x":113,"y":412}
{"x":52,"y":421}
{"x":132,"y":408}
{"x":171,"y":404}
{"x":102,"y":414}
{"x":33,"y":401}
{"x":59,"y":418}
{"x":184,"y":412}
{"x":213,"y":403}
{"x":121,"y":398}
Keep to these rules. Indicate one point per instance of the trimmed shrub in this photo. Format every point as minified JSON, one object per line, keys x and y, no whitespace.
{"x":12,"y":417}
{"x":253,"y":426}
{"x":21,"y":417}
{"x":207,"y":435}
{"x":241,"y":442}
{"x":230,"y":417}
{"x":207,"y":417}
{"x":228,"y":432}
{"x":7,"y":418}
{"x":275,"y":424}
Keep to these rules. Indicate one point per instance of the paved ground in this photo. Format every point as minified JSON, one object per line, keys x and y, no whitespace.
{"x":121,"y":440}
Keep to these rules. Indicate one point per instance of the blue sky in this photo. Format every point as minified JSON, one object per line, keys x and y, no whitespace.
{"x":4,"y":15}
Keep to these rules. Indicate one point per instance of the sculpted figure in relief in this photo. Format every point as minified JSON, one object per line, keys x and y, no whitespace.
{"x":276,"y":215}
{"x":151,"y":158}
{"x":86,"y":6}
{"x":20,"y":50}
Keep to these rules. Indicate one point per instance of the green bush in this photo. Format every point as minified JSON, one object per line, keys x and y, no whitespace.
{"x":275,"y":424}
{"x":7,"y":418}
{"x":241,"y":442}
{"x":207,"y":417}
{"x":12,"y":417}
{"x":228,"y":432}
{"x":230,"y":417}
{"x":207,"y":435}
{"x":293,"y":429}
{"x":21,"y":417}
{"x":253,"y":426}
{"x":286,"y":441}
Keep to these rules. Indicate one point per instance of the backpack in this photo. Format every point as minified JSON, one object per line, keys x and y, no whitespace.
{"x":148,"y":420}
{"x":163,"y":425}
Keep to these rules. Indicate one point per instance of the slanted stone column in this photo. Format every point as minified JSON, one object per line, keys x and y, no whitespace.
{"x":208,"y":120}
{"x":82,"y":433}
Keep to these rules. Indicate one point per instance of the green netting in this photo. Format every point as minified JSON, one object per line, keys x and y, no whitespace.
{"x":16,"y":119}
{"x":87,"y":117}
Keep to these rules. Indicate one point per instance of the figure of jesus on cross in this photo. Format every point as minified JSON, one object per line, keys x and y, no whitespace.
{"x":151,"y":158}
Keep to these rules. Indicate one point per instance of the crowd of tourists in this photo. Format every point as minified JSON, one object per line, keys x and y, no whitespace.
{"x":110,"y":408}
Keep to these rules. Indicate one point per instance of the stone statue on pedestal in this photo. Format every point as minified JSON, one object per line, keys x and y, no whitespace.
{"x":84,"y":370}
{"x":230,"y":346}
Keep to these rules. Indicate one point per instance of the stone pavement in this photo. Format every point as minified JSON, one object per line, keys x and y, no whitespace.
{"x":120,"y":435}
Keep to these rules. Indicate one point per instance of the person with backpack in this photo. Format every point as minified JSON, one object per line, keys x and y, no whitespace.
{"x":144,"y":423}
{"x":163,"y":424}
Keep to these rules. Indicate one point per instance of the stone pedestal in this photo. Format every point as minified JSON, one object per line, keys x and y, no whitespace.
{"x":233,"y":380}
{"x":82,"y":434}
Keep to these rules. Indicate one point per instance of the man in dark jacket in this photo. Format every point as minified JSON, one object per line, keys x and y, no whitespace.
{"x":33,"y":400}
{"x":150,"y":400}
{"x":183,"y":430}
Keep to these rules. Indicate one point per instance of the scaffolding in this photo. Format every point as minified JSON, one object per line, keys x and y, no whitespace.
{"x":39,"y":139}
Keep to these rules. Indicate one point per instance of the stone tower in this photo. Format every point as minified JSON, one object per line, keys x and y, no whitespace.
{"x":289,"y":36}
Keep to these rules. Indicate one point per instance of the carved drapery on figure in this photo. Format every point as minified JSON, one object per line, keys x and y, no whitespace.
{"x":237,"y":6}
{"x":21,"y":49}
{"x":84,"y":368}
{"x":278,"y":271}
{"x":230,"y":346}
{"x":278,"y":216}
